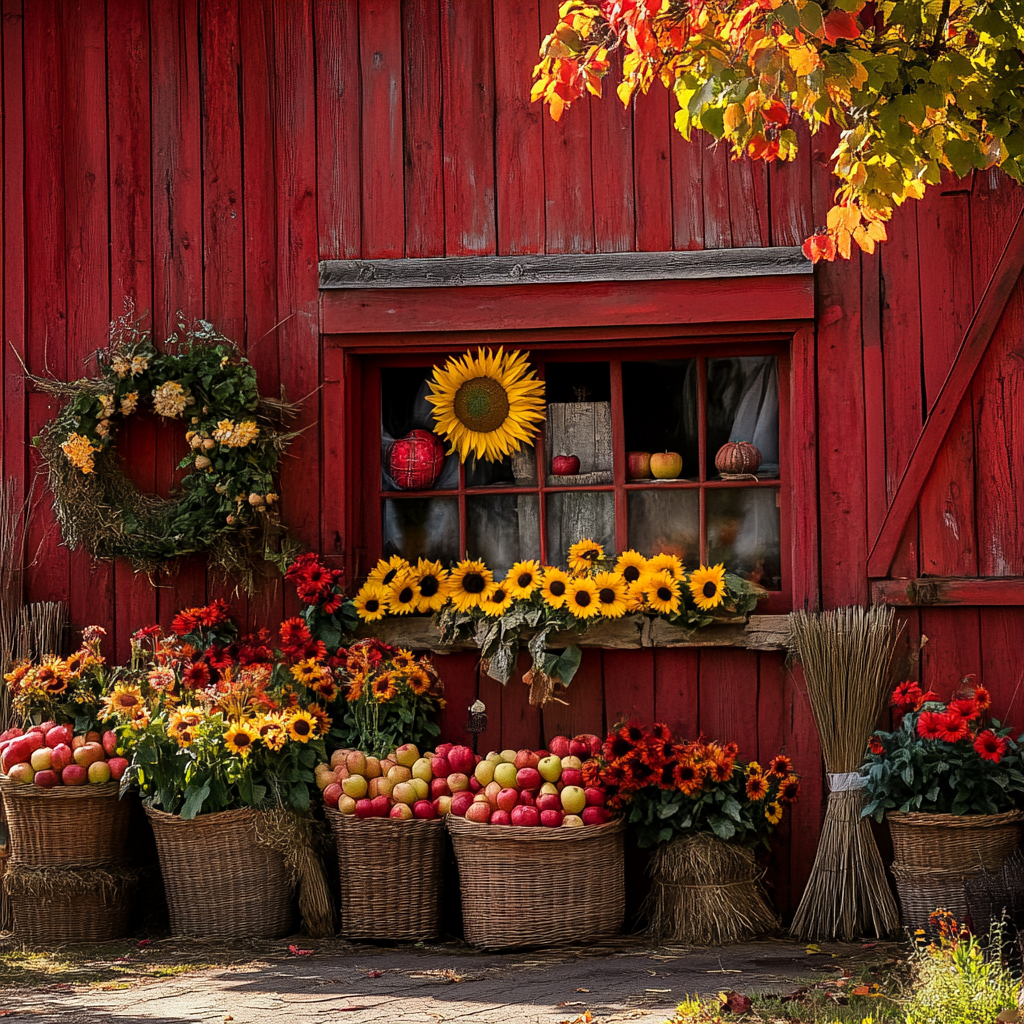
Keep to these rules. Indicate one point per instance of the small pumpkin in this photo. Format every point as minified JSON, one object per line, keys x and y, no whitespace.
{"x":737,"y":457}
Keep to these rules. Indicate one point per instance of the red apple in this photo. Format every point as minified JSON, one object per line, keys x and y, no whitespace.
{"x":38,"y":728}
{"x":17,"y":752}
{"x":47,"y":778}
{"x":440,"y":767}
{"x":119,"y":765}
{"x":443,"y":806}
{"x":461,"y":760}
{"x":332,"y":793}
{"x":595,"y":796}
{"x":78,"y":741}
{"x":500,"y":818}
{"x":595,"y":742}
{"x":74,"y":775}
{"x":373,"y":768}
{"x":474,"y":784}
{"x":526,"y":799}
{"x":364,"y":808}
{"x":638,"y":465}
{"x":109,"y":742}
{"x":60,"y":757}
{"x":595,"y":816}
{"x":549,"y":802}
{"x":551,"y":819}
{"x":491,"y":791}
{"x":528,"y":778}
{"x":565,"y":465}
{"x":381,"y":806}
{"x":439,"y":787}
{"x":666,"y":465}
{"x":35,"y":740}
{"x":401,"y":812}
{"x":10,"y":734}
{"x":460,"y":801}
{"x":579,"y":747}
{"x":559,"y":746}
{"x":526,"y":759}
{"x":442,"y":749}
{"x":423,"y":809}
{"x":572,"y":777}
{"x":528,"y":817}
{"x":479,"y":812}
{"x":59,"y":734}
{"x":507,"y":799}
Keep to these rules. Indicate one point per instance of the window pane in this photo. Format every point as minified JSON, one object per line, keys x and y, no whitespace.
{"x":404,"y":408}
{"x":579,"y":421}
{"x":503,"y":529}
{"x":573,"y":515}
{"x":743,"y":405}
{"x":743,"y":532}
{"x":422,"y":528}
{"x":659,"y":406}
{"x":481,"y":473}
{"x":667,"y":520}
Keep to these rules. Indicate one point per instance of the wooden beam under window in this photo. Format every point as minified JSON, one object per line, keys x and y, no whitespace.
{"x":576,"y":268}
{"x":941,"y":590}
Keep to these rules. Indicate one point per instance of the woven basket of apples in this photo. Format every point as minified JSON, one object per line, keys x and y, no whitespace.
{"x":386,"y":818}
{"x":530,"y":821}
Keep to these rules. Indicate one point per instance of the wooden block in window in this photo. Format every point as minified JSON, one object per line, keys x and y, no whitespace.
{"x":583,"y":429}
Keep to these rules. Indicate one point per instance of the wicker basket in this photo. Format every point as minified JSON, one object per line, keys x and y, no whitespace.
{"x":539,"y":886}
{"x":390,"y":875}
{"x":957,"y":843}
{"x":922,"y":891}
{"x":81,"y":825}
{"x":220,"y":882}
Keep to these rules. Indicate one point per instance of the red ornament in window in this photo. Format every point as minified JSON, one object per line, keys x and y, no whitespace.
{"x":415,"y":461}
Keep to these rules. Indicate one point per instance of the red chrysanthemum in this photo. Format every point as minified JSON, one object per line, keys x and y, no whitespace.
{"x":930,"y":725}
{"x":301,"y":566}
{"x":982,"y":698}
{"x":875,"y":746}
{"x":332,"y":604}
{"x":966,"y":708}
{"x":196,"y":676}
{"x":906,"y":695}
{"x":990,"y":747}
{"x":214,"y":613}
{"x":954,"y":727}
{"x":221,"y":658}
{"x":186,"y":621}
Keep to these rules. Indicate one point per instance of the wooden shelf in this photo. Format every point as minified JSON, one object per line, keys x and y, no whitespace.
{"x":632,"y":632}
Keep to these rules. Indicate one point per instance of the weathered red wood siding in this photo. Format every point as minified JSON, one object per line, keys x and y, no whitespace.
{"x":205,"y":156}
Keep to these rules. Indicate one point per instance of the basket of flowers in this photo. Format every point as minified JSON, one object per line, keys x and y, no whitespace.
{"x":224,"y":759}
{"x":946,"y":780}
{"x":704,"y":812}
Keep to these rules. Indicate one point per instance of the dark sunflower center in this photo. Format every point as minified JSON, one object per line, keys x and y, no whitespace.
{"x":664,"y":594}
{"x":525,"y":579}
{"x":301,"y":726}
{"x":405,"y":595}
{"x":557,"y":588}
{"x":372,"y":605}
{"x":473,"y":583}
{"x":429,"y":586}
{"x":481,"y":404}
{"x":607,"y":595}
{"x":128,"y":701}
{"x":592,"y":555}
{"x":631,"y":574}
{"x":582,"y":598}
{"x":389,"y":576}
{"x":241,"y":740}
{"x":709,"y":589}
{"x":499,"y":596}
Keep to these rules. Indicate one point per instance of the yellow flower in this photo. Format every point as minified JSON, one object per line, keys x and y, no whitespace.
{"x":612,"y":594}
{"x":707,"y":585}
{"x":497,"y":600}
{"x":554,"y":587}
{"x":584,"y":555}
{"x":403,"y":660}
{"x":402,"y":594}
{"x":631,"y":565}
{"x":185,"y":718}
{"x":383,"y":687}
{"x":272,"y":731}
{"x":107,"y":406}
{"x":666,"y":563}
{"x":754,"y":768}
{"x":523,"y":579}
{"x":419,"y":681}
{"x":125,"y":700}
{"x":129,"y":403}
{"x":170,"y":399}
{"x":79,"y":451}
{"x":487,"y":405}
{"x":121,"y":366}
{"x":370,"y":603}
{"x":467,"y":584}
{"x":239,"y":738}
{"x":385,"y":571}
{"x":773,"y":812}
{"x":431,"y":583}
{"x":140,"y":364}
{"x":355,"y":687}
{"x":662,"y":592}
{"x":302,"y":726}
{"x":581,"y":599}
{"x":236,"y":436}
{"x":308,"y":672}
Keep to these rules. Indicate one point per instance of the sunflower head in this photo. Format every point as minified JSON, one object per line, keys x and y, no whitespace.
{"x":582,"y":598}
{"x":584,"y":555}
{"x":371,"y":603}
{"x":523,"y":579}
{"x":239,"y":738}
{"x":272,"y":731}
{"x":773,"y":812}
{"x":554,"y":587}
{"x":301,"y":725}
{"x":497,"y":600}
{"x":707,"y":586}
{"x":431,"y":583}
{"x":631,"y":565}
{"x":612,"y":594}
{"x":383,"y":687}
{"x":403,"y":597}
{"x":468,"y":582}
{"x":487,"y":405}
{"x":661,"y":589}
{"x":666,"y":562}
{"x":386,"y":570}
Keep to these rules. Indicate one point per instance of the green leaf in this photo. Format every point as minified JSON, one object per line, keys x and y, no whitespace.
{"x":298,"y":797}
{"x":723,"y":828}
{"x":194,"y":798}
{"x":567,"y":664}
{"x":713,"y":120}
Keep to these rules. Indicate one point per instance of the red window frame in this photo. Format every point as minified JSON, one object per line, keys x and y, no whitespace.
{"x":370,"y":495}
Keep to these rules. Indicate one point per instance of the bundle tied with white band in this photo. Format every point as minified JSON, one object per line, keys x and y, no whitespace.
{"x":844,"y":782}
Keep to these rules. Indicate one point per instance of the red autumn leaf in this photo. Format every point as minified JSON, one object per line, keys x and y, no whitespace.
{"x":761,"y":149}
{"x":776,"y":113}
{"x":820,"y":247}
{"x":142,"y":943}
{"x":374,"y":974}
{"x":295,"y":951}
{"x":840,"y":25}
{"x":735,"y":1003}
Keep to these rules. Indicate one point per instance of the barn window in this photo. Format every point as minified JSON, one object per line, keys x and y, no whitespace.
{"x":602,"y":406}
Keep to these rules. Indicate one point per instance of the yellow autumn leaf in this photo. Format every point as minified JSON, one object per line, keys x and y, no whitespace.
{"x":876,"y":229}
{"x":867,"y":244}
{"x":538,"y":89}
{"x":804,"y":60}
{"x":555,"y":105}
{"x":860,"y":75}
{"x":733,"y":117}
{"x":915,"y":189}
{"x":843,"y":243}
{"x":624,"y":90}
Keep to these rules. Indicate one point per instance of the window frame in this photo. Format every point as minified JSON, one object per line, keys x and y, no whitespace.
{"x":370,"y":494}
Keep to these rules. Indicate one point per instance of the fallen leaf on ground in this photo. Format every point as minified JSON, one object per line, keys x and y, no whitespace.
{"x":812,"y":948}
{"x":142,"y":943}
{"x":869,"y":945}
{"x":860,"y":990}
{"x":1008,"y":1016}
{"x":581,"y":990}
{"x":295,"y":951}
{"x":374,"y":974}
{"x":734,"y":1002}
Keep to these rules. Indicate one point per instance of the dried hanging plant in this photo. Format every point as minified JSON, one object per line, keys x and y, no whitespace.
{"x":847,"y":661}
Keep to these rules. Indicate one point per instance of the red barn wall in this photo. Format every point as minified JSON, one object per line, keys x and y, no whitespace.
{"x":204,"y":157}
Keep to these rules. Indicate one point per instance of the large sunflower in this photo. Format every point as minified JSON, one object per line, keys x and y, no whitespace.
{"x":582,"y":598}
{"x":612,"y":595}
{"x":302,"y":726}
{"x":403,"y":597}
{"x":239,"y":738}
{"x":523,"y":579}
{"x":662,"y":593}
{"x":666,"y":562}
{"x":125,"y":700}
{"x":584,"y":555}
{"x":497,"y":600}
{"x":631,"y":566}
{"x":554,"y":587}
{"x":386,"y":570}
{"x":467,"y":584}
{"x":272,"y":731}
{"x":707,"y":585}
{"x":487,"y":405}
{"x":371,"y":602}
{"x":431,"y":583}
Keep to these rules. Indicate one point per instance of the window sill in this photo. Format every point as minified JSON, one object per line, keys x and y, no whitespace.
{"x":632,"y":632}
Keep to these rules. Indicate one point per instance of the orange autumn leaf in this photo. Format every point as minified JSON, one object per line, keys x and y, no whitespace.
{"x":840,"y":25}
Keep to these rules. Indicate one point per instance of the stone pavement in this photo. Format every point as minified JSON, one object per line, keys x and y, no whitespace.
{"x":357,"y":984}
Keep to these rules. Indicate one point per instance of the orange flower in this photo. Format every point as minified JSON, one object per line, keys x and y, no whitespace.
{"x":757,"y":788}
{"x":689,"y":778}
{"x":780,"y":765}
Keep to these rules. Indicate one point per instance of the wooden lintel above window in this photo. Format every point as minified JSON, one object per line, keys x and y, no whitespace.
{"x":942,"y":590}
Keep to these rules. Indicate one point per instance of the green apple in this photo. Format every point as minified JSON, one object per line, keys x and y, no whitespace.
{"x":572,"y":821}
{"x":421,"y":786}
{"x":354,"y":786}
{"x":484,"y":772}
{"x":550,"y":768}
{"x":574,"y":799}
{"x":509,"y":756}
{"x":548,"y":788}
{"x":421,"y":770}
{"x":505,"y":774}
{"x":572,"y":761}
{"x":404,"y":793}
{"x":493,"y":755}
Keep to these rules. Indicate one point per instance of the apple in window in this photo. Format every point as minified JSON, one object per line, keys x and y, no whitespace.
{"x":565,"y":465}
{"x":666,"y":465}
{"x":638,"y":465}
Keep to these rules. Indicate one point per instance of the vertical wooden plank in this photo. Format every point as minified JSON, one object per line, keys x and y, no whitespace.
{"x":953,"y":648}
{"x":338,"y":102}
{"x":611,"y":140}
{"x":459,"y":675}
{"x":46,"y":281}
{"x":874,"y":392}
{"x":295,"y":173}
{"x":520,"y":721}
{"x":131,"y":260}
{"x":715,"y":191}
{"x":629,"y":686}
{"x":728,"y":697}
{"x":380,"y":58}
{"x":424,"y":156}
{"x":177,"y":233}
{"x":652,"y":168}
{"x":584,"y":711}
{"x":519,"y":135}
{"x":792,"y":216}
{"x":748,"y":202}
{"x":677,"y":690}
{"x":83,"y":45}
{"x":490,"y":691}
{"x":803,"y":431}
{"x":771,"y":740}
{"x":467,"y":67}
{"x":1002,"y":671}
{"x":687,"y":189}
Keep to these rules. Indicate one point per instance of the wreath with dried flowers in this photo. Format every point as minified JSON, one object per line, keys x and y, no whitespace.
{"x":226,"y":504}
